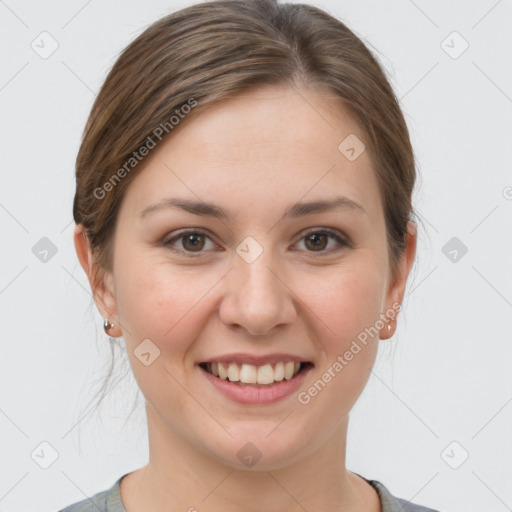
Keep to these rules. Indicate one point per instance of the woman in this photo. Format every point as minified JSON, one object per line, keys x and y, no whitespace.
{"x":243,"y":213}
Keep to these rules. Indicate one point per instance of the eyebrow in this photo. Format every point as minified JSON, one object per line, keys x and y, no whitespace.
{"x":211,"y":210}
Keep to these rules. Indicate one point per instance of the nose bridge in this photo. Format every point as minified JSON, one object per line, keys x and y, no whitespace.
{"x":258,"y":279}
{"x":256,"y":297}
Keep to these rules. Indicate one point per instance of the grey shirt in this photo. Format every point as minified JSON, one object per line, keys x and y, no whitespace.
{"x":110,"y":501}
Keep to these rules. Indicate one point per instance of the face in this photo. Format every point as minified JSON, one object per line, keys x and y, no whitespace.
{"x":267,"y":284}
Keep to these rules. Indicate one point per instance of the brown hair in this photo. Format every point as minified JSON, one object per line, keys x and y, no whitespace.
{"x":212,"y":51}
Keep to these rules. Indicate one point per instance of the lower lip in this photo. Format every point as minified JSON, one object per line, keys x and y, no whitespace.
{"x":250,"y":395}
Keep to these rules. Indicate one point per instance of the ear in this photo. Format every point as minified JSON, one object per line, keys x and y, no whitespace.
{"x":100,"y":280}
{"x":396,"y":291}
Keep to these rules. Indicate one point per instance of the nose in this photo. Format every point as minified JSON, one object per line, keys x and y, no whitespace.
{"x":257,"y":297}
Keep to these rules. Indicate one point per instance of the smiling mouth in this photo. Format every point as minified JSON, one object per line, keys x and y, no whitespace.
{"x":248,"y":375}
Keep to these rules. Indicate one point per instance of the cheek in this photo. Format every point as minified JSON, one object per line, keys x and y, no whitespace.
{"x":171,"y":304}
{"x":155,"y":300}
{"x":164,"y":305}
{"x":346,"y":307}
{"x":346,"y":300}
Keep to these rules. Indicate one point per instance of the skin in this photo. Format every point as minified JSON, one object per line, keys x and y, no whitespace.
{"x":255,"y":155}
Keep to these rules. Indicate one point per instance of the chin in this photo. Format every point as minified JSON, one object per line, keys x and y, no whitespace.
{"x":260,"y":451}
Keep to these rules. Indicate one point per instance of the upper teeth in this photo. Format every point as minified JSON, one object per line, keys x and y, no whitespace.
{"x":250,"y":374}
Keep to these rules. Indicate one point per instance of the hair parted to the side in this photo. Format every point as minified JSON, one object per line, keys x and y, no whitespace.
{"x":213,"y":51}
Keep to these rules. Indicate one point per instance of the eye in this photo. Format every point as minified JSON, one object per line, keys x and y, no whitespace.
{"x":317,"y":240}
{"x":192,"y":241}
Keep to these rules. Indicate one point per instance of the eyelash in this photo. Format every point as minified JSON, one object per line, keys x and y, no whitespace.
{"x":340,"y":239}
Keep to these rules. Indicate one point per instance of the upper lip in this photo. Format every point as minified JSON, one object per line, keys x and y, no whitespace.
{"x":241,"y":358}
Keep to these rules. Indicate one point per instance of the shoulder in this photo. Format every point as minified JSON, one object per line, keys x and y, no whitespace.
{"x":407,"y":506}
{"x":392,"y":503}
{"x":108,"y":500}
{"x":96,"y":503}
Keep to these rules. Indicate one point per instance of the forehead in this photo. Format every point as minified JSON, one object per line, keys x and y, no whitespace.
{"x":261,"y":149}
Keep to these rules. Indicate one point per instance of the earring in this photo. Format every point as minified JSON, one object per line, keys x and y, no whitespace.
{"x":389,"y":329}
{"x":107,"y":326}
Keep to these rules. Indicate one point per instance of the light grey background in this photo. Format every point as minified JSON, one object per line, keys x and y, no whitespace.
{"x":441,"y":389}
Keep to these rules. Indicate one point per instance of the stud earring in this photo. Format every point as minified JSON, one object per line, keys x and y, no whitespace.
{"x":107,"y":326}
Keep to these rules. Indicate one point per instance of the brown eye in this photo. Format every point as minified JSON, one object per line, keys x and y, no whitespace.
{"x":317,"y":241}
{"x":191,"y":242}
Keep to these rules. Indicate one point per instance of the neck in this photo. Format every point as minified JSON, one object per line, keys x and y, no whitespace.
{"x":180,"y":476}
